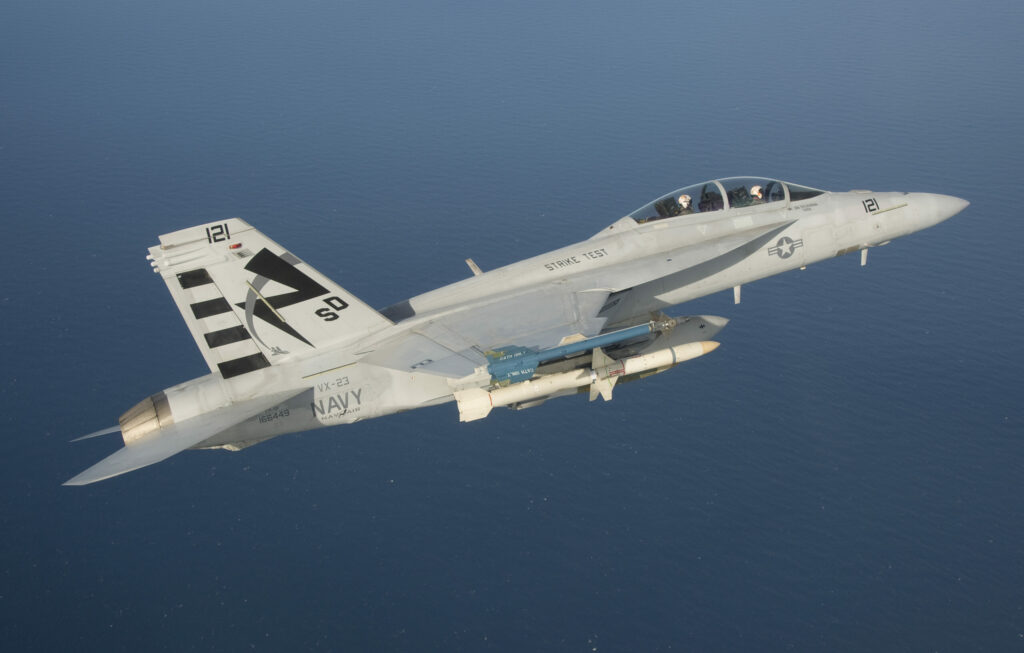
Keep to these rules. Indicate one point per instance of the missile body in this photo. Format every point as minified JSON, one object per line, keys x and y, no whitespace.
{"x":517,"y":364}
{"x":476,"y":403}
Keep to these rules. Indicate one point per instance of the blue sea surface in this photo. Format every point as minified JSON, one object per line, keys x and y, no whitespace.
{"x":843,"y":473}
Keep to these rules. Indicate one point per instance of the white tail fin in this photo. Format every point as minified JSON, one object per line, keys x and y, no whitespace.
{"x":249,"y":303}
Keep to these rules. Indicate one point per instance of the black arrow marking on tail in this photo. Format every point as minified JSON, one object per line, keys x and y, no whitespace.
{"x":271,"y":267}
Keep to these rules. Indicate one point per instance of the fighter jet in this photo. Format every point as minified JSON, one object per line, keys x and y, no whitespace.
{"x":289,"y":350}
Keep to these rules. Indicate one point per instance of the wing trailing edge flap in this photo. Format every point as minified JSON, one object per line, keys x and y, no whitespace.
{"x":175,"y":438}
{"x":453,"y":344}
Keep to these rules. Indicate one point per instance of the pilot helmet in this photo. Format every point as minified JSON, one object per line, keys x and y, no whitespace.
{"x":684,"y":201}
{"x":757,"y":192}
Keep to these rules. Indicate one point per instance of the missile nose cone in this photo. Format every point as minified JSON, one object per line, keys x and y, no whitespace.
{"x":709,"y":346}
{"x":715,"y":320}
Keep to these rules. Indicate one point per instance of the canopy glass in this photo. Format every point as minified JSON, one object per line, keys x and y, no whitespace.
{"x":721,"y":195}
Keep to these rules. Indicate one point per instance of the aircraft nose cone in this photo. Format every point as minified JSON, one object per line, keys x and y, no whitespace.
{"x":944,"y":207}
{"x":930,"y":209}
{"x":947,"y":206}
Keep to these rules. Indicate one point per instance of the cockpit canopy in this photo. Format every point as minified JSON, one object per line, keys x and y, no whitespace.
{"x":722,"y":194}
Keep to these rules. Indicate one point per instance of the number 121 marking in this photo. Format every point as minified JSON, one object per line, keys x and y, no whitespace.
{"x":217,"y":233}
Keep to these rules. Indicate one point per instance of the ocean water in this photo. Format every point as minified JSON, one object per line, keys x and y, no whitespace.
{"x":844,"y":473}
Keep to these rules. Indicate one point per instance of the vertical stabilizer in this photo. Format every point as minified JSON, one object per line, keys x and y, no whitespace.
{"x":249,"y":303}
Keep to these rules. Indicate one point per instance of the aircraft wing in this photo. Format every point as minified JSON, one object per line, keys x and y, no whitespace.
{"x":173,"y":439}
{"x":453,"y":342}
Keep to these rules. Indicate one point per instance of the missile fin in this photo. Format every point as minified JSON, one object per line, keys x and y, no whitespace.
{"x":473,"y":403}
{"x":600,"y":359}
{"x":603,"y":387}
{"x":602,"y":383}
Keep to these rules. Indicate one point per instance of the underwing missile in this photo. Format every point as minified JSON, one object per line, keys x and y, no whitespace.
{"x":476,"y":403}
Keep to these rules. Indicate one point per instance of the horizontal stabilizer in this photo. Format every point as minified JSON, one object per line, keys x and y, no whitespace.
{"x":174,"y":438}
{"x":108,"y":431}
{"x":171,"y":440}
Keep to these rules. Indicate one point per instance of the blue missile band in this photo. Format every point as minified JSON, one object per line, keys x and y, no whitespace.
{"x":518,"y":363}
